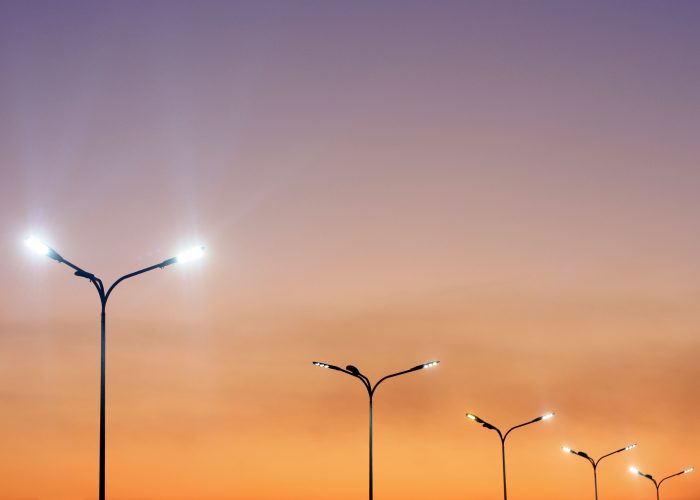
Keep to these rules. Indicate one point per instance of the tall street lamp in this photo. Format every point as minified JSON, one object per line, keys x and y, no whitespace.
{"x":595,"y":463}
{"x":634,"y":470}
{"x":353,"y":371}
{"x":503,"y":437}
{"x":41,"y":248}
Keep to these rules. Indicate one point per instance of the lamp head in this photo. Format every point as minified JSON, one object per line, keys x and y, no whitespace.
{"x":566,"y":449}
{"x":321,"y":365}
{"x":688,"y":471}
{"x":39,"y":247}
{"x":545,"y":417}
{"x":474,"y":418}
{"x":630,"y":446}
{"x":193,"y":253}
{"x":353,"y":369}
{"x":429,"y":364}
{"x":634,"y":470}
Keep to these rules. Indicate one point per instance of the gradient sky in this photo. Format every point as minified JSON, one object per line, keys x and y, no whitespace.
{"x":509,"y":187}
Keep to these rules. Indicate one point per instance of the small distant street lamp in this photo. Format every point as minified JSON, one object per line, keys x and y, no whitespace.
{"x":595,"y":463}
{"x":503,"y":437}
{"x":41,"y":248}
{"x":353,"y":371}
{"x":634,"y":470}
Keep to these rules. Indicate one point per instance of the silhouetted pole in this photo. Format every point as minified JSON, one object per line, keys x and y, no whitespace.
{"x":44,"y":249}
{"x":503,"y":440}
{"x":595,"y":463}
{"x":353,"y":371}
{"x":634,"y":470}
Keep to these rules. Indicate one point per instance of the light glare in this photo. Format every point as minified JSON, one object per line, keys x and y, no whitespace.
{"x":36,"y":245}
{"x":634,"y":470}
{"x":473,"y":417}
{"x":631,"y":446}
{"x":547,"y":416}
{"x":430,"y":364}
{"x":191,"y":254}
{"x":688,"y":471}
{"x":566,"y":449}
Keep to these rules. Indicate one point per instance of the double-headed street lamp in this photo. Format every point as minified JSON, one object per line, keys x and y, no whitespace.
{"x":595,"y":463}
{"x":353,"y":371}
{"x":41,"y":248}
{"x":634,"y":470}
{"x":503,"y":437}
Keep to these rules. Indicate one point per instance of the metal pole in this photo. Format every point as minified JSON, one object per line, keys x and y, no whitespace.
{"x":595,"y":481}
{"x":102,"y":404}
{"x":657,"y":492}
{"x":503,"y":456}
{"x":371,"y":473}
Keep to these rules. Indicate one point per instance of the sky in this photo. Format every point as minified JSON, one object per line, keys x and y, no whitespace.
{"x":509,"y":187}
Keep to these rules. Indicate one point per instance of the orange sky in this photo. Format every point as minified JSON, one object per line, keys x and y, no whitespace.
{"x":509,"y":189}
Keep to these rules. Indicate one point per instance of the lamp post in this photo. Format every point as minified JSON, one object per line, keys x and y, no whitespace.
{"x":634,"y":470}
{"x":595,"y":463}
{"x":353,"y":371}
{"x":503,"y":437}
{"x":41,"y":248}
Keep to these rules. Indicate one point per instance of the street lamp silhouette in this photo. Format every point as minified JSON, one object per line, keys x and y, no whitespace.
{"x":503,"y":437}
{"x":595,"y":463}
{"x":353,"y":371}
{"x":41,"y":248}
{"x":634,"y":470}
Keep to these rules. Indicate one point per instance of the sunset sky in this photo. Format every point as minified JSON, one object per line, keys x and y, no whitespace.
{"x":511,"y":187}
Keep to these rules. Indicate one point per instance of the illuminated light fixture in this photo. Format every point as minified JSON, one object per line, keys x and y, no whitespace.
{"x":354,"y":372}
{"x":193,"y":253}
{"x":567,"y":450}
{"x":37,"y":246}
{"x":688,"y":471}
{"x":630,"y":446}
{"x":547,"y":416}
{"x":634,"y":470}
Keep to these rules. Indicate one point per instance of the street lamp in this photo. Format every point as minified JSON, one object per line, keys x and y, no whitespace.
{"x":503,"y":437}
{"x":42,"y":248}
{"x":351,"y":370}
{"x":634,"y":470}
{"x":595,"y":463}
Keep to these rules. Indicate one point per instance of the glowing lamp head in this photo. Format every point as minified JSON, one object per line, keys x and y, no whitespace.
{"x":688,"y":471}
{"x":37,"y":246}
{"x":629,"y":447}
{"x":193,"y":253}
{"x":430,"y":364}
{"x":547,"y":416}
{"x":321,"y":365}
{"x":634,"y":470}
{"x":567,"y":449}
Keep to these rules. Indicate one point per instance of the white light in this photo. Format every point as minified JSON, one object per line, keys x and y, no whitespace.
{"x":630,"y":447}
{"x":36,"y":245}
{"x":568,"y":450}
{"x":688,"y":471}
{"x":322,"y":365}
{"x":430,"y":364}
{"x":634,"y":470}
{"x":547,"y":416}
{"x":191,"y":254}
{"x":469,"y":415}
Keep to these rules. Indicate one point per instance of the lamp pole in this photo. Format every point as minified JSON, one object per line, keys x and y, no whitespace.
{"x":595,"y":463}
{"x":41,"y":248}
{"x":634,"y":470}
{"x":503,"y":437}
{"x":353,"y":371}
